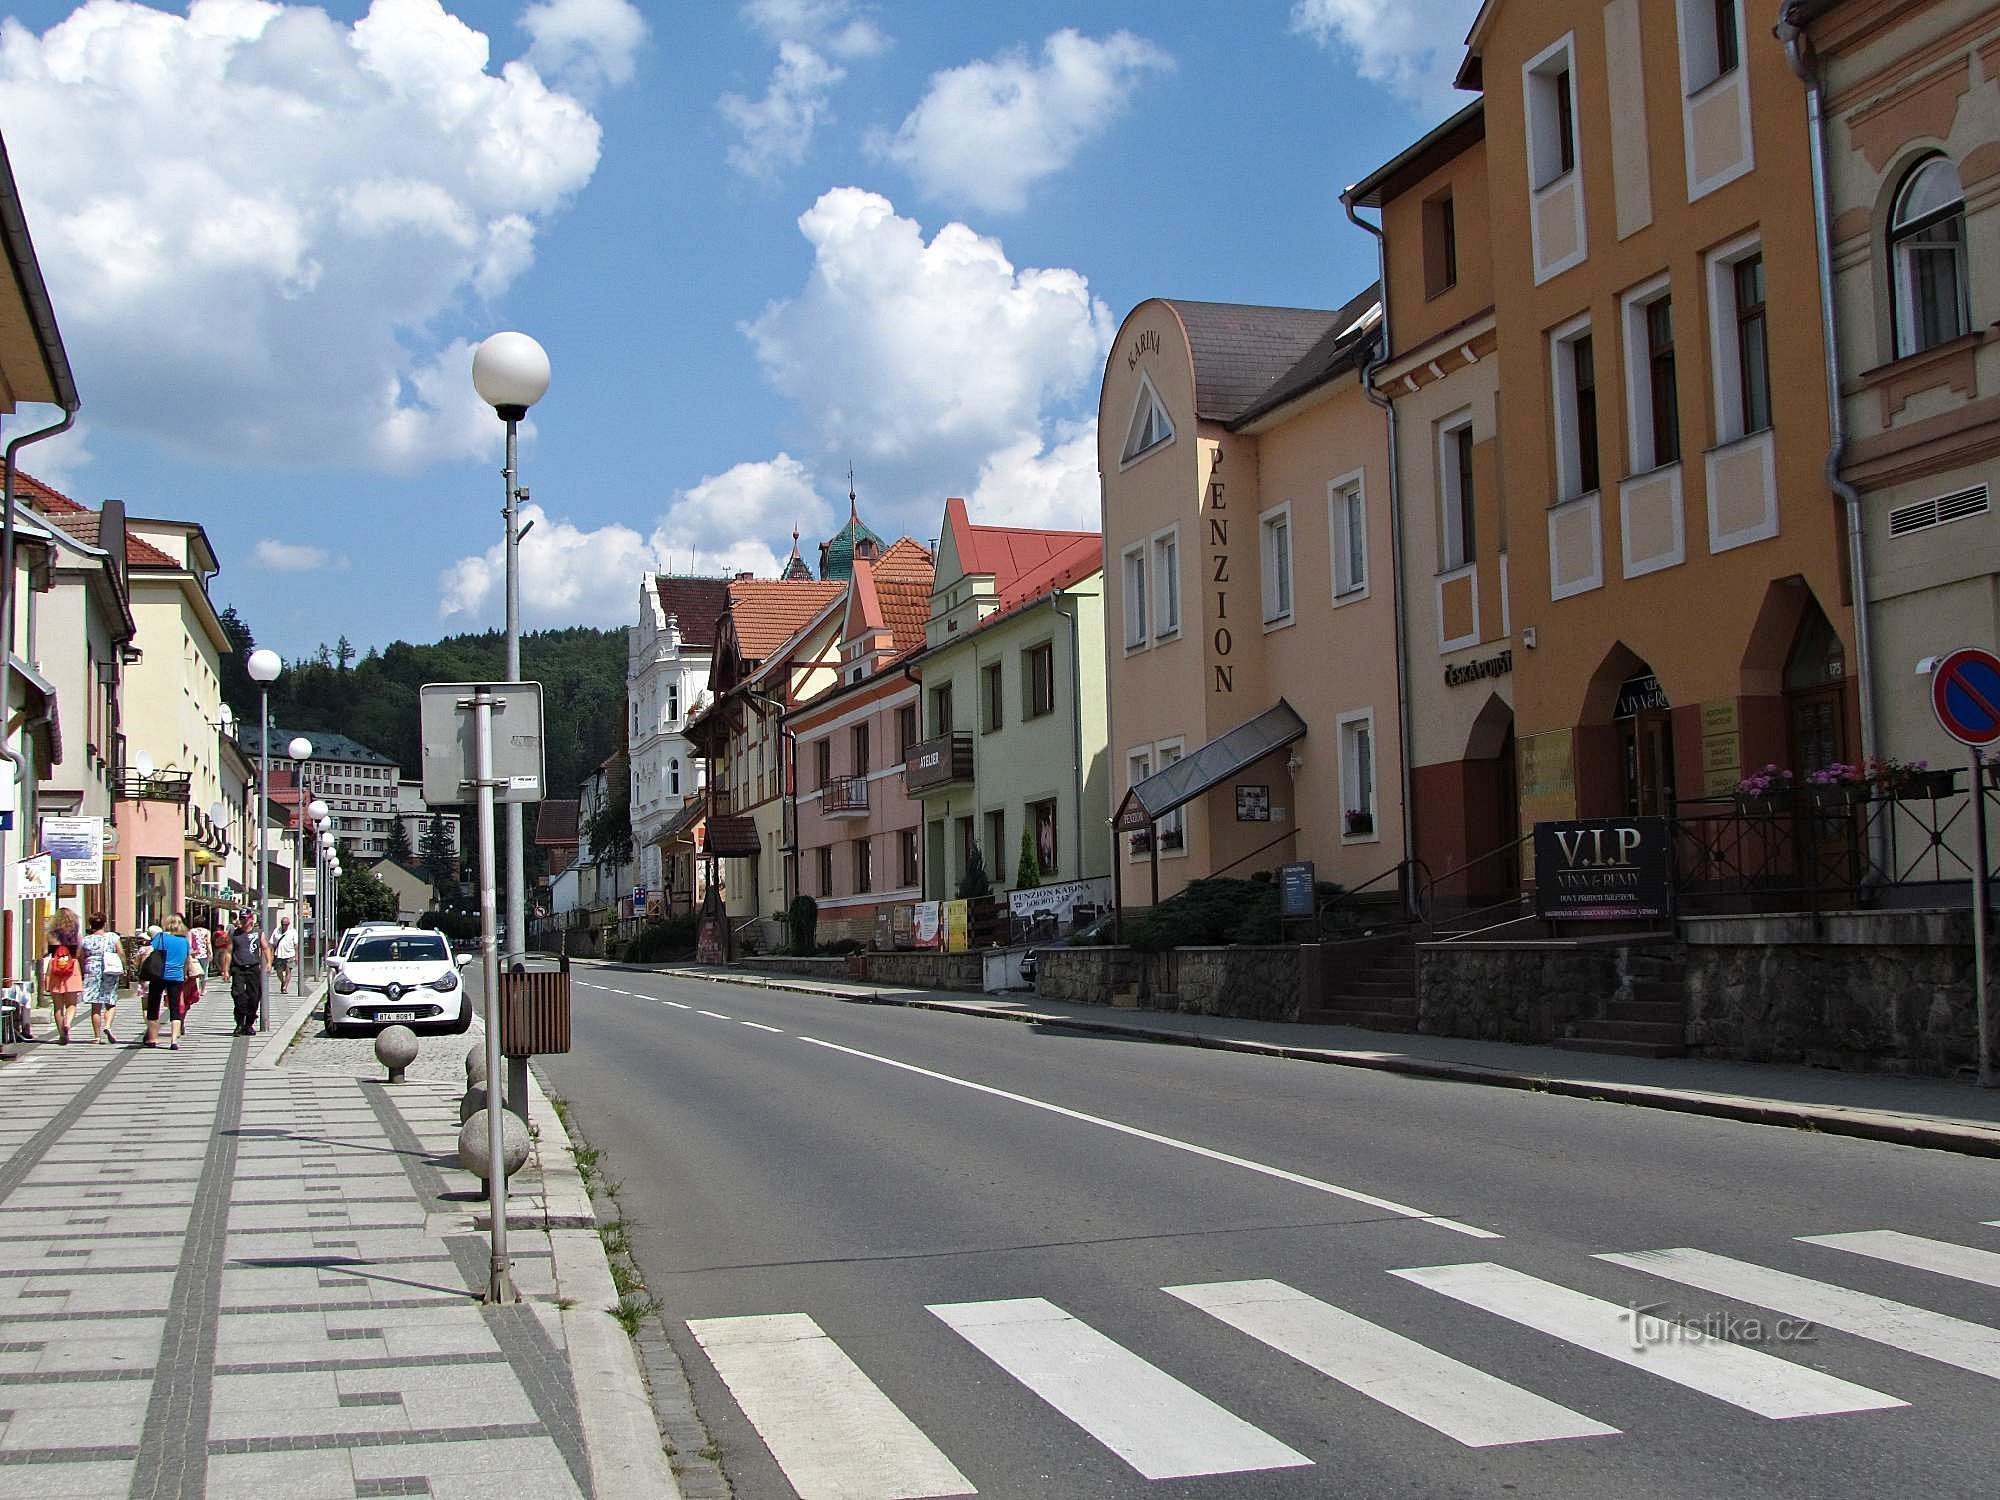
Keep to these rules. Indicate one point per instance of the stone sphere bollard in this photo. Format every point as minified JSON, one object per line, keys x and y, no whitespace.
{"x":395,"y":1049}
{"x":472,"y":1143}
{"x":475,"y":1066}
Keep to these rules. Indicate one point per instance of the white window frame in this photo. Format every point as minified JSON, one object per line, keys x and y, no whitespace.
{"x":1701,"y":55}
{"x":1455,"y":549}
{"x":1724,"y":351}
{"x":1174,"y":824}
{"x":1354,"y":796}
{"x":1277,"y":584}
{"x":1138,"y":625}
{"x":1638,"y":350}
{"x":1562,"y":376}
{"x":1164,"y":558}
{"x":1347,"y":503}
{"x":1148,"y":397}
{"x":1538,"y":78}
{"x":1138,"y":766}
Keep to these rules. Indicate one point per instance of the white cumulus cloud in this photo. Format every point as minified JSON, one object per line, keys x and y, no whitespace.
{"x":987,"y":132}
{"x":776,"y":130}
{"x":1410,"y":47}
{"x":564,"y":573}
{"x":293,"y":557}
{"x":1033,"y":483}
{"x":254,"y":217}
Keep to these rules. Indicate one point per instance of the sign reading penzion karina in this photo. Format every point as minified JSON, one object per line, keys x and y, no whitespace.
{"x":1603,"y":869}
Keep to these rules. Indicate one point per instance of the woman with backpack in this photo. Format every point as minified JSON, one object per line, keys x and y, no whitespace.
{"x":62,"y":971}
{"x":103,"y":972}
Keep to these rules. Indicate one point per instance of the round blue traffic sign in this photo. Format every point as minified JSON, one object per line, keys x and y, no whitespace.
{"x":1965,"y":693}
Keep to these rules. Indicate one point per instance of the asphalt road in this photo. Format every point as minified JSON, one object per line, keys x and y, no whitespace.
{"x":903,"y":1252}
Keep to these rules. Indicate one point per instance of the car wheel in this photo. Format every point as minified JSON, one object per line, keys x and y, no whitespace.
{"x":464,"y":1022}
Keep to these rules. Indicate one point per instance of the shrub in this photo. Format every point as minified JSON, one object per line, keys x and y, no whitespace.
{"x":1215,"y":912}
{"x":1028,"y":874}
{"x":975,"y":883}
{"x":802,"y":917}
{"x":841,"y":947}
{"x":663,"y":937}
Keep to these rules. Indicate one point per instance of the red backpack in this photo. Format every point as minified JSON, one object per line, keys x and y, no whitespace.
{"x":62,"y":965}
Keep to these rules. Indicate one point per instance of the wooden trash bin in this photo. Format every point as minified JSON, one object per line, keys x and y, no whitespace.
{"x":534,"y":1010}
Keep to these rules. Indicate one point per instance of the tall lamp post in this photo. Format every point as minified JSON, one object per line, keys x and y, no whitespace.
{"x":264,"y":666}
{"x":321,"y":820}
{"x":300,"y":749}
{"x":511,"y":372}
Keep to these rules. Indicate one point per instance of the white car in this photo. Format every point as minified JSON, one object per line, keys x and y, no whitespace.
{"x":398,"y":975}
{"x":359,"y":931}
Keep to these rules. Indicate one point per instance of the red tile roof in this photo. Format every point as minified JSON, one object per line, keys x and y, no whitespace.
{"x":1022,"y":562}
{"x":906,"y":562}
{"x":767,"y":612}
{"x":906,"y":610}
{"x":80,"y":522}
{"x":697,"y":604}
{"x":556,"y":823}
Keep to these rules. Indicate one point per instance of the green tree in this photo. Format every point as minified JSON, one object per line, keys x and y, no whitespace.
{"x":974,"y":883}
{"x":238,"y":690}
{"x":434,"y":856}
{"x":398,"y":846}
{"x":363,"y":898}
{"x":610,"y":825}
{"x":1028,"y":874}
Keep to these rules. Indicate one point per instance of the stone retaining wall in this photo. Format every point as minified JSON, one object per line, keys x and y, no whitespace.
{"x":1513,"y":992}
{"x":806,"y":968}
{"x":1257,"y":982}
{"x":1086,"y":976}
{"x":929,"y":971}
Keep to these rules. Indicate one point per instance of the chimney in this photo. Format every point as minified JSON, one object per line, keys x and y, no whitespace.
{"x":745,"y":576}
{"x":111,"y":537}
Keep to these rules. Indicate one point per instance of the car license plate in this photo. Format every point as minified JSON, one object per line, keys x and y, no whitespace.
{"x":395,"y":1015}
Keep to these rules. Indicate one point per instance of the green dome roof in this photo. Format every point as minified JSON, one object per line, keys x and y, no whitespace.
{"x":836,"y":556}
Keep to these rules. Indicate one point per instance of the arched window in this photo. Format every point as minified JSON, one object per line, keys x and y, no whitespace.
{"x":674,"y":777}
{"x":1927,"y":257}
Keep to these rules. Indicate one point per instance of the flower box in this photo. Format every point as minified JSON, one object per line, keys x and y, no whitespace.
{"x":1360,"y":824}
{"x":1765,"y":804}
{"x":1920,"y":786}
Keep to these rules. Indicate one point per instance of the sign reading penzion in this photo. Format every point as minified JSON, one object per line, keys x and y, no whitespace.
{"x":1603,"y":869}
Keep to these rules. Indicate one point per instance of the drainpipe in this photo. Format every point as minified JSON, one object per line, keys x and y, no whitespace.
{"x":923,"y":818}
{"x":7,"y":576}
{"x":1798,"y":53}
{"x":1075,"y":719}
{"x":1367,"y":378}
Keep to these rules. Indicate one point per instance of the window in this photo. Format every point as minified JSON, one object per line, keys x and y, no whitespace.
{"x":1927,"y":258}
{"x":1461,"y":538}
{"x":1138,"y":766}
{"x":1135,"y":597}
{"x":1753,"y":369}
{"x":858,"y":735}
{"x":1276,"y":549}
{"x":1173,"y":825}
{"x":907,"y":841}
{"x":674,"y":777}
{"x":1167,"y":583}
{"x":1724,"y":12}
{"x":998,"y":866}
{"x":864,"y":865}
{"x":673,"y":702}
{"x":1357,"y":775}
{"x":1666,"y":411}
{"x":906,"y":730}
{"x":1585,"y":394}
{"x":1440,"y":245}
{"x":941,"y":709}
{"x":822,"y":762}
{"x":1551,"y":103}
{"x":1150,"y":427}
{"x":1042,"y":818}
{"x":1347,"y":524}
{"x":1573,"y":357}
{"x":1652,"y":410}
{"x":992,"y":698}
{"x":1038,"y":663}
{"x":824,"y":856}
{"x":1739,"y":356}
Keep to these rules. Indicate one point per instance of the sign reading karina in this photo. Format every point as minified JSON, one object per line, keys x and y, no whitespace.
{"x":1599,"y":869}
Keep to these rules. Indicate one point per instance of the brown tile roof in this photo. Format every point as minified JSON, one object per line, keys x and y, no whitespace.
{"x":906,"y":562}
{"x":697,"y":603}
{"x":556,"y":823}
{"x":767,"y":612}
{"x":906,"y":609}
{"x":732,"y":834}
{"x":80,"y":522}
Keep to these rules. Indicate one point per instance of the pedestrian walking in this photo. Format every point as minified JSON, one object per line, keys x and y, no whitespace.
{"x":248,"y":956}
{"x":219,"y":945}
{"x":62,"y":971}
{"x":197,"y":965}
{"x":103,"y":972}
{"x":166,"y":978}
{"x":284,"y":949}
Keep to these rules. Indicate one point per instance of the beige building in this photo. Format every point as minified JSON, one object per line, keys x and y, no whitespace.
{"x":1910,"y":98}
{"x":1250,"y":596}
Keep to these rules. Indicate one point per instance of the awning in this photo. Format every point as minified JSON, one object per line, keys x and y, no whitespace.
{"x":1210,"y":766}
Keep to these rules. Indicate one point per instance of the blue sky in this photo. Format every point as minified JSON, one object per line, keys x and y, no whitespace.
{"x":760,"y":241}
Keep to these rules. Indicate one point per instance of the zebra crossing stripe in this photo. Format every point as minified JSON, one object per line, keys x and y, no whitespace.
{"x":1467,"y":1405}
{"x":1915,"y":1330}
{"x":831,"y":1429}
{"x":1729,"y":1372}
{"x":1159,"y":1426}
{"x":1941,"y":1256}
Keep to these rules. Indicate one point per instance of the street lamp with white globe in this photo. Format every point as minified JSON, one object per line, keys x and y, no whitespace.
{"x":511,"y":373}
{"x":300,"y":750}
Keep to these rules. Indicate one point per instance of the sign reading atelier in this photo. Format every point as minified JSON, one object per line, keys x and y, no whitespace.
{"x":1603,"y":869}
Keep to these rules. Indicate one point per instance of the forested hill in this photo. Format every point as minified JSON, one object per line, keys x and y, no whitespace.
{"x":374,"y":698}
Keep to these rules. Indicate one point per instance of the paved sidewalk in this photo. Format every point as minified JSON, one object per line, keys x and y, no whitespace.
{"x":223,"y":1277}
{"x":1926,"y":1112}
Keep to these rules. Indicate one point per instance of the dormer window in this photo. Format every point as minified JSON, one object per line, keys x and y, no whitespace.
{"x":1150,"y":427}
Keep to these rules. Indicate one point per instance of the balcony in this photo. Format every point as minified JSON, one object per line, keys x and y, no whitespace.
{"x":844,"y":797}
{"x":941,"y":761}
{"x":154,"y":786}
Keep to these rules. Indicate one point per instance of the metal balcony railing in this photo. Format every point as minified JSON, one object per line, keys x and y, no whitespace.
{"x":155,"y":786}
{"x":938,"y":761}
{"x":844,"y":797}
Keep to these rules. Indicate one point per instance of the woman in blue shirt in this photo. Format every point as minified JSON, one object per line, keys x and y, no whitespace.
{"x":171,"y":944}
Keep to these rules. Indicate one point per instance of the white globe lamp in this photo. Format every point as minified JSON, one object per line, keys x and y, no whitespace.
{"x":511,"y":372}
{"x":264,"y":665}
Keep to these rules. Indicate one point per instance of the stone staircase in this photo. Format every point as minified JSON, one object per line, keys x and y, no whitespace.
{"x":1376,"y":991}
{"x":1647,"y":1014}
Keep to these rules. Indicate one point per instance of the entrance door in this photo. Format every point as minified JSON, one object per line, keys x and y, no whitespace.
{"x":1816,"y":722}
{"x":1646,"y":744}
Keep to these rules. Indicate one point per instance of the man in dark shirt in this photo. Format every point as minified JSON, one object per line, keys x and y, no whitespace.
{"x":249,"y":957}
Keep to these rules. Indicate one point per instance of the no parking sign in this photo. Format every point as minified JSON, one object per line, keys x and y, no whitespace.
{"x":1965,"y":695}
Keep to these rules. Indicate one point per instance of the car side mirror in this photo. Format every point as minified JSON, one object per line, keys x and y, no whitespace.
{"x":463,"y":959}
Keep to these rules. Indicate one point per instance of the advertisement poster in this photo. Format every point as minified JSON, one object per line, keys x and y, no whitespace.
{"x":34,"y":879}
{"x":1603,"y":869}
{"x":957,"y":926}
{"x":902,"y":927}
{"x":78,"y":843}
{"x":1048,"y":911}
{"x":927,"y":925}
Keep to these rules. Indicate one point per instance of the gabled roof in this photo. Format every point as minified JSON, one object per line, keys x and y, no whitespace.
{"x":327,"y":746}
{"x":696,"y":603}
{"x":80,"y":522}
{"x":907,"y":561}
{"x":1240,"y":351}
{"x":556,"y":823}
{"x":1021,"y":561}
{"x":767,"y":612}
{"x":1341,"y":348}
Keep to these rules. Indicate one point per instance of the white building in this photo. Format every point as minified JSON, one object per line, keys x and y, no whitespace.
{"x":669,"y":654}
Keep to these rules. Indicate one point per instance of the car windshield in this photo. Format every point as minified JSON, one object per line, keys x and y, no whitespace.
{"x":399,"y":950}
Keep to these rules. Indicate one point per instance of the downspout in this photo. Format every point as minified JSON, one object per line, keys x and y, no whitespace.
{"x":1798,"y":53}
{"x":1367,"y":378}
{"x":7,"y":577}
{"x":1075,"y":721}
{"x":923,"y":818}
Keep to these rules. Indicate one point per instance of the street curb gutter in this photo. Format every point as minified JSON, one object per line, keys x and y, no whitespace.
{"x":281,"y":1037}
{"x":1900,"y":1130}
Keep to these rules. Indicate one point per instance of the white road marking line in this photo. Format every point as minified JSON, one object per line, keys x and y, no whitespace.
{"x":831,"y":1429}
{"x":1941,"y":1256}
{"x":1159,"y":1426}
{"x":1402,"y":1210}
{"x":1729,"y":1372}
{"x":760,"y":1026}
{"x":1915,"y":1330}
{"x":1465,"y":1404}
{"x":714,"y":1015}
{"x":677,"y":1005}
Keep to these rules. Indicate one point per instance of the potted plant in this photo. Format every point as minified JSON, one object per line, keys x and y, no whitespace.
{"x":1910,"y":780}
{"x":1838,"y":784}
{"x":1767,"y":790}
{"x":1360,"y":822}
